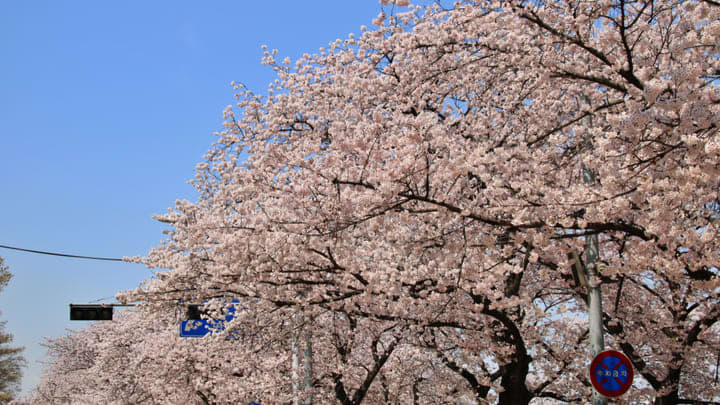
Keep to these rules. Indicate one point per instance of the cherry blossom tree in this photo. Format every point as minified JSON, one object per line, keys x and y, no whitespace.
{"x":434,"y":172}
{"x":11,"y":359}
{"x":139,"y":358}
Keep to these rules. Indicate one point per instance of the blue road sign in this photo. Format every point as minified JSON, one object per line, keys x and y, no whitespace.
{"x":202,"y":327}
{"x":194,"y":328}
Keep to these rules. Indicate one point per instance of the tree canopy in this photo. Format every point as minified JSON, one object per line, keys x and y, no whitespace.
{"x":426,"y":178}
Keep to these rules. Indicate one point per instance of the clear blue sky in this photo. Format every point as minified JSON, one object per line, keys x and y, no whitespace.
{"x":105,"y":108}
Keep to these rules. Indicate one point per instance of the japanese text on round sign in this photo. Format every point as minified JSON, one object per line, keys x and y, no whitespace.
{"x":611,"y":373}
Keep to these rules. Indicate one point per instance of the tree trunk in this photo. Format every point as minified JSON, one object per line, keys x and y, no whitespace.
{"x":671,"y":380}
{"x":513,"y":382}
{"x":669,"y":399}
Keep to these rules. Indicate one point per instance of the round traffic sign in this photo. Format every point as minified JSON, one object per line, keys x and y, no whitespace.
{"x":611,"y":373}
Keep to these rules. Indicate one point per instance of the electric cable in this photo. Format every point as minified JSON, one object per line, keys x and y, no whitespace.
{"x":111,"y":259}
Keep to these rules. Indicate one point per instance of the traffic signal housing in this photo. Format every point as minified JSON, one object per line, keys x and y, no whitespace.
{"x":91,"y":312}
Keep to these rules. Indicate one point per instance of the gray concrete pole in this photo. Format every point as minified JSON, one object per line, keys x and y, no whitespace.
{"x":597,"y":340}
{"x":308,"y":365}
{"x":295,"y":362}
{"x":592,"y":254}
{"x":302,"y":325}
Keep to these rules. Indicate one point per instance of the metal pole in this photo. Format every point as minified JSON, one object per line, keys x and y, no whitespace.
{"x":302,"y":326}
{"x":295,"y":362}
{"x":308,"y":366}
{"x":592,"y":253}
{"x":597,"y":340}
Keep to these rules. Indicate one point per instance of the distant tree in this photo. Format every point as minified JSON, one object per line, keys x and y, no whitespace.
{"x":11,"y":361}
{"x":139,"y":358}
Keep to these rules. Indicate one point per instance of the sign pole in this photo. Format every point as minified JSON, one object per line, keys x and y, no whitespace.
{"x":592,"y":253}
{"x":597,"y":340}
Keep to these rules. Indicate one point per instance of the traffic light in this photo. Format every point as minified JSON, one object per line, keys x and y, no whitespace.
{"x":91,"y":312}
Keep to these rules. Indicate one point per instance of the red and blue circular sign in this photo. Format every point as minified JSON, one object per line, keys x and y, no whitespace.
{"x":611,"y":373}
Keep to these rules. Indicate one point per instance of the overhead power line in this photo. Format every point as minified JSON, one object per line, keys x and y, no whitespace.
{"x":111,"y":259}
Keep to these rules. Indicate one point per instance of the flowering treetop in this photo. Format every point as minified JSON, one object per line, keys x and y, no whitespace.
{"x":431,"y":171}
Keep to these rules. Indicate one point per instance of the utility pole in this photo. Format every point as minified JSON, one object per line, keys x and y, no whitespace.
{"x":597,"y":340}
{"x":295,"y":362}
{"x":308,"y":365}
{"x":592,"y":254}
{"x":302,"y":327}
